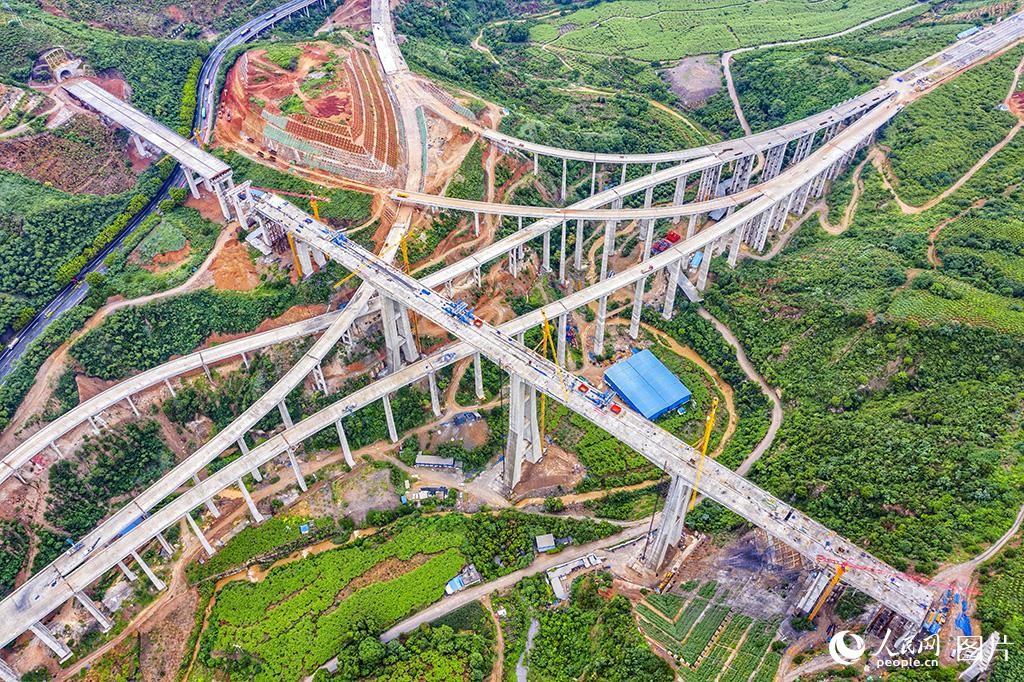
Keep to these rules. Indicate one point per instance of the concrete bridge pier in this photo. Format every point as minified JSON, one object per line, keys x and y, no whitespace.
{"x":128,"y":573}
{"x":435,"y":405}
{"x":476,"y":223}
{"x":286,"y":416}
{"x":546,"y":252}
{"x":44,"y":635}
{"x":741,"y":174}
{"x":679,"y":196}
{"x":257,"y":517}
{"x":305,"y":262}
{"x":609,"y":241}
{"x":641,"y":285}
{"x":674,"y":272}
{"x":207,"y":547}
{"x":170,"y":388}
{"x":536,"y":164}
{"x":390,"y":417}
{"x":773,"y":162}
{"x":561,"y":254}
{"x":212,"y":508}
{"x":523,"y":430}
{"x":7,"y":673}
{"x":94,"y":611}
{"x":578,"y":255}
{"x":705,"y":267}
{"x":622,"y":178}
{"x":244,"y":449}
{"x":398,"y":339}
{"x":190,"y":179}
{"x":602,"y":314}
{"x":343,"y":440}
{"x":164,"y":545}
{"x":563,"y":329}
{"x":673,"y":516}
{"x":709,"y":182}
{"x":157,"y":583}
{"x":478,"y":377}
{"x":319,"y":379}
{"x":803,"y":148}
{"x":691,"y":226}
{"x":593,"y":178}
{"x":564,"y":169}
{"x":299,"y":478}
{"x":735,"y":241}
{"x":649,"y":192}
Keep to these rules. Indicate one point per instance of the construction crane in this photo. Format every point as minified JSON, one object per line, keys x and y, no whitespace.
{"x":823,"y":559}
{"x":708,"y":425}
{"x":548,"y":342}
{"x":827,"y":592}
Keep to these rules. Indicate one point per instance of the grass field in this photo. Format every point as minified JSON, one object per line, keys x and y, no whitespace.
{"x":653,"y":30}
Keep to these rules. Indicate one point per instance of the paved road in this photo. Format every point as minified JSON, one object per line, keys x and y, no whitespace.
{"x":541,"y":563}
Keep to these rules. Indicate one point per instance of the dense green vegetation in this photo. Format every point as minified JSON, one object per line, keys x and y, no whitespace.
{"x":1001,"y":607}
{"x":937,"y":138}
{"x":13,"y":552}
{"x":131,"y":270}
{"x":468,"y":182}
{"x":784,"y":84}
{"x":916,"y":381}
{"x":45,"y":236}
{"x":687,"y":626}
{"x":591,"y":638}
{"x":144,"y":336}
{"x":156,"y":69}
{"x":119,"y":461}
{"x":344,"y":208}
{"x":655,"y":30}
{"x":540,"y":90}
{"x":305,"y":612}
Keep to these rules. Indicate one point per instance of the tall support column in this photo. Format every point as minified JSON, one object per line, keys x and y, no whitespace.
{"x":92,"y":423}
{"x":741,"y":176}
{"x":602,"y":313}
{"x":536,"y":164}
{"x":773,"y":162}
{"x":405,"y":329}
{"x":392,"y":342}
{"x":476,"y":223}
{"x":257,"y":517}
{"x":564,"y":164}
{"x":131,"y":403}
{"x":207,"y":547}
{"x":691,"y":226}
{"x":609,"y":246}
{"x":734,"y":245}
{"x":803,"y":148}
{"x":674,"y":272}
{"x":593,"y":178}
{"x":478,"y":377}
{"x":546,"y":254}
{"x":679,"y":195}
{"x":210,"y":506}
{"x":170,"y":388}
{"x":390,"y":417}
{"x":94,"y":611}
{"x":563,"y":330}
{"x":191,"y":180}
{"x":7,"y":673}
{"x":319,"y":379}
{"x":221,"y":192}
{"x":55,"y":645}
{"x":299,"y":478}
{"x":649,"y":192}
{"x":523,"y":432}
{"x":561,"y":255}
{"x":709,"y":182}
{"x":638,"y":307}
{"x":622,"y":179}
{"x":157,"y":583}
{"x":705,"y":267}
{"x":435,"y":405}
{"x":343,"y":440}
{"x":128,"y":573}
{"x":286,"y":417}
{"x":578,"y":256}
{"x":673,"y":517}
{"x":245,"y":360}
{"x":164,"y":545}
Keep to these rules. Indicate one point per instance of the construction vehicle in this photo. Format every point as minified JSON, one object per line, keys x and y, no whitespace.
{"x":709,"y":423}
{"x":660,"y":245}
{"x":673,"y":237}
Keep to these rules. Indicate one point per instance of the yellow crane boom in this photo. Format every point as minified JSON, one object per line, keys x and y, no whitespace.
{"x":709,"y":423}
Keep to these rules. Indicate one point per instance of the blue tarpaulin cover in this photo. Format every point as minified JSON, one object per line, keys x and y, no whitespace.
{"x":647,"y":385}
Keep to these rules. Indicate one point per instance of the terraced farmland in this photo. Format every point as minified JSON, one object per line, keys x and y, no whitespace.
{"x":653,"y":30}
{"x":710,"y":641}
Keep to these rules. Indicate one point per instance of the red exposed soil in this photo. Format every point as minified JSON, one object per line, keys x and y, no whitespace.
{"x":161,"y":261}
{"x":232,"y":269}
{"x":91,"y":160}
{"x":115,"y":85}
{"x":352,"y":14}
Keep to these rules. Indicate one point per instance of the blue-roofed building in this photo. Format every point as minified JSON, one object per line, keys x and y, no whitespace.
{"x":647,"y":385}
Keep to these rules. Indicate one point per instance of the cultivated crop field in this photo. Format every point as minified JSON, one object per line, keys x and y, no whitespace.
{"x":653,"y":30}
{"x":708,"y":638}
